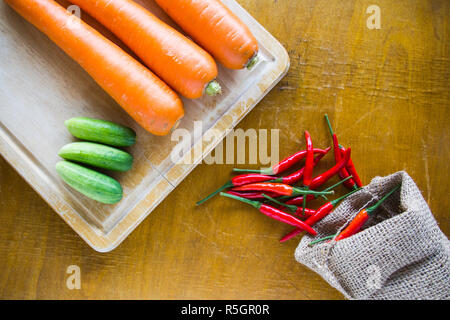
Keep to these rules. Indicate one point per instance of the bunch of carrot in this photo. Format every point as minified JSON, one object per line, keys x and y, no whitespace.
{"x":172,"y":61}
{"x":284,"y":198}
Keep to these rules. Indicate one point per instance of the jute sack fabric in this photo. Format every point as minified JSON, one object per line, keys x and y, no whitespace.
{"x":400,"y":253}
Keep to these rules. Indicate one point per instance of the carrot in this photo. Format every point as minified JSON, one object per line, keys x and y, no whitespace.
{"x":218,"y":30}
{"x":143,"y":95}
{"x":181,"y":63}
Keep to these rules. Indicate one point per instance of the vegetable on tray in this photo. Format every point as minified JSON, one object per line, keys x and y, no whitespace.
{"x":148,"y":100}
{"x":177,"y":60}
{"x":91,"y":183}
{"x":97,"y":155}
{"x":101,"y":131}
{"x":218,"y":30}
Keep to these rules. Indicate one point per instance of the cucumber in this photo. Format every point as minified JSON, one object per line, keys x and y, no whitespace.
{"x":102,"y":131}
{"x":97,"y":155}
{"x":93,"y":184}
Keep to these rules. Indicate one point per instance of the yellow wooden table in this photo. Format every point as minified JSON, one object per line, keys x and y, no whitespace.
{"x":387,"y":92}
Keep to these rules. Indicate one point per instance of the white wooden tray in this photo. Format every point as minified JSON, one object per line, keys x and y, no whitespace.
{"x":40,"y":87}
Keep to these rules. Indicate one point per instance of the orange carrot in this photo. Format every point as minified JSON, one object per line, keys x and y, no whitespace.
{"x":218,"y":30}
{"x":178,"y":61}
{"x":143,"y":95}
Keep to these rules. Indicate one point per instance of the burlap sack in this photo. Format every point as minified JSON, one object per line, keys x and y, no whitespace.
{"x":400,"y":254}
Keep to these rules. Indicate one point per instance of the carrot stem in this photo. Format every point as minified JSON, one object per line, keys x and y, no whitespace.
{"x":251,"y":63}
{"x":213,"y":88}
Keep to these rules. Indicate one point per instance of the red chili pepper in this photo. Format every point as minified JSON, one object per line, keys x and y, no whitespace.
{"x":325,"y":209}
{"x":280,"y":188}
{"x":352,"y":170}
{"x":283,"y":165}
{"x":236,"y":181}
{"x":297,"y":175}
{"x":274,"y":213}
{"x":309,"y":161}
{"x":309,"y":165}
{"x":307,"y":212}
{"x":343,"y":173}
{"x":292,"y":208}
{"x":338,"y":153}
{"x":280,"y":204}
{"x":320,"y":213}
{"x":256,"y":195}
{"x":324,"y":177}
{"x":360,"y":219}
{"x":291,"y":234}
{"x":299,"y":199}
{"x":354,"y":226}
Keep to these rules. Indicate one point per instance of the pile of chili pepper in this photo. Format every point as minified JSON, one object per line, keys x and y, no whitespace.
{"x":285,"y":198}
{"x":358,"y":221}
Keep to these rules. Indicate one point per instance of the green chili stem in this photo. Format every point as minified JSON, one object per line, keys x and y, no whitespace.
{"x":291,"y":207}
{"x":336,"y":184}
{"x":304,"y":204}
{"x":336,"y":201}
{"x":268,"y":171}
{"x":277,"y":180}
{"x":255,"y":204}
{"x":302,"y":191}
{"x":329,"y":124}
{"x":376,"y":205}
{"x":225,"y":186}
{"x":321,"y":239}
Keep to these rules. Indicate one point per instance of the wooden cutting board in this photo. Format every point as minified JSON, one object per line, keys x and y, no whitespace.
{"x":40,"y":87}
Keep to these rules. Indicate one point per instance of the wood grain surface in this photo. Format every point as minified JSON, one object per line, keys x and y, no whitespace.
{"x":387,"y":92}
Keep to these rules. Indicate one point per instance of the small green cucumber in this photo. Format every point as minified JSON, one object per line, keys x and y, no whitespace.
{"x":93,"y":184}
{"x":97,"y":155}
{"x":102,"y":131}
